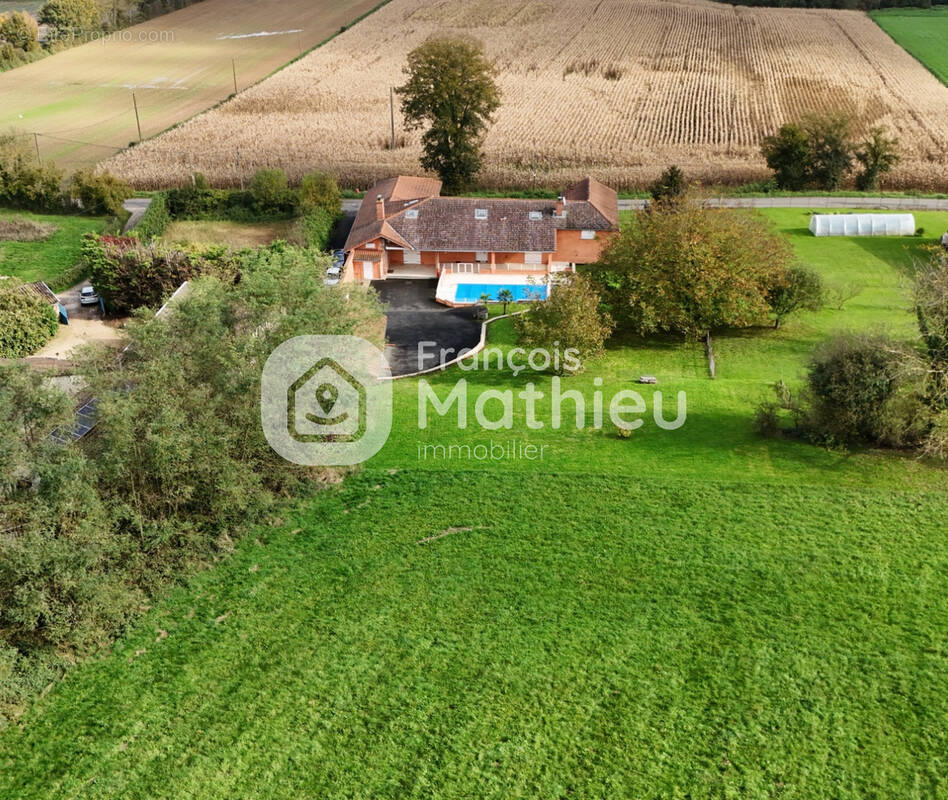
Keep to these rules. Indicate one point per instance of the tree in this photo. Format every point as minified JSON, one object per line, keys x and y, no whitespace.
{"x":670,"y":187}
{"x":570,"y":318}
{"x":831,"y":149}
{"x":877,"y":155}
{"x":320,"y":190}
{"x":20,"y":30}
{"x":798,"y":289}
{"x":269,"y":188}
{"x":852,"y":379}
{"x":101,"y":193}
{"x":450,"y":90}
{"x":23,"y":182}
{"x":505,"y":296}
{"x":931,"y":310}
{"x":691,"y":270}
{"x":26,"y":321}
{"x":788,"y":155}
{"x":67,"y":17}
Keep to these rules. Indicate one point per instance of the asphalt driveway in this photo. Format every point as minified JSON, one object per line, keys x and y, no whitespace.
{"x":414,"y":317}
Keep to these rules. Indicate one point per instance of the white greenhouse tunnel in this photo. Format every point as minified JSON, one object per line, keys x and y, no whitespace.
{"x":862,"y":224}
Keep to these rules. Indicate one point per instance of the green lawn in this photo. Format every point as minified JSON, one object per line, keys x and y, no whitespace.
{"x":921,"y":31}
{"x":689,"y":614}
{"x":50,"y":260}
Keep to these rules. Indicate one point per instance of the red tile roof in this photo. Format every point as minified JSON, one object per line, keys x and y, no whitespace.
{"x":450,"y":224}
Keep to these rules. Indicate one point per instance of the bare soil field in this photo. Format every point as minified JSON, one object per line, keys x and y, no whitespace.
{"x":179,"y":64}
{"x":615,"y":87}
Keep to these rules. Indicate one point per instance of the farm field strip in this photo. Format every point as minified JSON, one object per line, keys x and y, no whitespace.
{"x":620,"y":89}
{"x":921,"y":31}
{"x":179,"y":64}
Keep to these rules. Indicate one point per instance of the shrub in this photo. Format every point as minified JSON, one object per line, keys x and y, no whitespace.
{"x":101,"y":193}
{"x":155,"y":220}
{"x":23,"y":182}
{"x":852,"y":380}
{"x":20,"y":30}
{"x":320,"y":191}
{"x":670,"y":187}
{"x":877,"y":155}
{"x":146,"y":275}
{"x":27,"y":322}
{"x":570,"y":318}
{"x":269,"y":189}
{"x":788,"y":154}
{"x":315,"y":229}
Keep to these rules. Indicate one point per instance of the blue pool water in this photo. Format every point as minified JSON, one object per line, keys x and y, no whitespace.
{"x":471,"y":292}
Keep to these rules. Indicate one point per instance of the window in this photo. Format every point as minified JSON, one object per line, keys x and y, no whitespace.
{"x":412,"y":257}
{"x":533,"y":258}
{"x":480,"y":213}
{"x":536,"y":215}
{"x":480,"y":256}
{"x":412,"y":213}
{"x":370,"y":245}
{"x":588,"y":234}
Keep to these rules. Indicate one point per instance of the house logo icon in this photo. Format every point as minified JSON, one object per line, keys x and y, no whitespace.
{"x":326,"y":400}
{"x":326,"y":404}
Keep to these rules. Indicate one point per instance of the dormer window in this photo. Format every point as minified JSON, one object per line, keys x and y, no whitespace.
{"x":536,"y":215}
{"x":412,"y":213}
{"x":480,"y":213}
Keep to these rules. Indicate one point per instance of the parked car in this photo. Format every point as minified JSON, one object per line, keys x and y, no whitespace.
{"x":338,"y":258}
{"x":88,"y":296}
{"x":333,"y":275}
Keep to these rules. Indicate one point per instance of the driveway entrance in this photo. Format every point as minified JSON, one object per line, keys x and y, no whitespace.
{"x":414,"y":316}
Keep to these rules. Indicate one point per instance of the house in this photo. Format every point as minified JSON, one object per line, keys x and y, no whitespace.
{"x":475,"y":246}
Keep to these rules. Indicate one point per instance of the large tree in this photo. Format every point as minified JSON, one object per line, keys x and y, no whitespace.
{"x":877,"y":155}
{"x":452,"y":92}
{"x":70,"y":17}
{"x":19,"y":29}
{"x":831,"y":149}
{"x":691,"y":270}
{"x":788,"y":154}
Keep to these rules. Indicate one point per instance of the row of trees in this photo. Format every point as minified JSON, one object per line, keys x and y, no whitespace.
{"x":821,"y":151}
{"x":25,"y":183}
{"x":176,"y":470}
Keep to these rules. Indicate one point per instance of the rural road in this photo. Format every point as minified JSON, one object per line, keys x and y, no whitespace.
{"x":137,"y":206}
{"x":887,"y":203}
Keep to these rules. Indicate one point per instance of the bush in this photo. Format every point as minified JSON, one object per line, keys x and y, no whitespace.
{"x":788,"y":154}
{"x":19,"y":29}
{"x":315,"y":229}
{"x":101,"y":193}
{"x":146,"y":275}
{"x":27,"y":322}
{"x":23,"y":182}
{"x":852,"y":381}
{"x":670,"y":187}
{"x":570,"y":318}
{"x":155,"y":219}
{"x":270,"y":190}
{"x":68,"y":17}
{"x":320,"y":191}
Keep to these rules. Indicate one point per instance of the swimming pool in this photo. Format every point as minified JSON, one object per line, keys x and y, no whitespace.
{"x":471,"y":292}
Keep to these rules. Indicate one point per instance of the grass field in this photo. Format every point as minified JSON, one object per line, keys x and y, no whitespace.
{"x":33,"y":6}
{"x":48,"y":260}
{"x":923,"y":32}
{"x":233,"y":234}
{"x":178,"y":65}
{"x":610,"y":88}
{"x":699,"y":613}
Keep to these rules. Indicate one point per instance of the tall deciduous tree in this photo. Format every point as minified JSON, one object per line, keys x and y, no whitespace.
{"x":877,"y":155}
{"x":931,"y":309}
{"x":451,"y":91}
{"x":831,"y":149}
{"x":69,"y":17}
{"x":800,"y":289}
{"x":19,"y":29}
{"x":788,"y":155}
{"x":691,"y":270}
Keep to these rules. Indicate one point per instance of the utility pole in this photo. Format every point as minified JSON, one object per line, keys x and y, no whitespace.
{"x":233,"y":62}
{"x":36,"y":141}
{"x":391,"y":98}
{"x":138,"y":121}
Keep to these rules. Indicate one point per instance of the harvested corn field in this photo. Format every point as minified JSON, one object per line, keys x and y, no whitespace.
{"x":619,"y":88}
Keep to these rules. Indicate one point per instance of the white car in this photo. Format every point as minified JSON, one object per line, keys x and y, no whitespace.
{"x":333,"y":275}
{"x":88,"y":296}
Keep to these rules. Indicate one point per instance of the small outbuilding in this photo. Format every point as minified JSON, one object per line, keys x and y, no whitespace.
{"x":862,"y":224}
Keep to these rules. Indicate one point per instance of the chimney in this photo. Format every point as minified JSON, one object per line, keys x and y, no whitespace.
{"x":380,"y":207}
{"x":561,"y":206}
